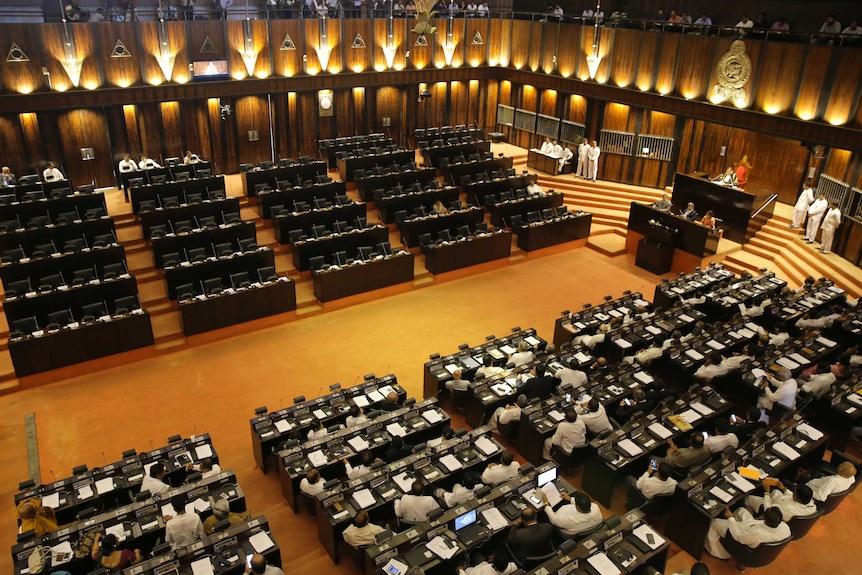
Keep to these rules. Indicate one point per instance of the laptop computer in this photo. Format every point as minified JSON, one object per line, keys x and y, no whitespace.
{"x":468,"y":530}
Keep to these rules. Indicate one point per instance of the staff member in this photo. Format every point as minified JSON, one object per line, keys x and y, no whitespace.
{"x":51,"y":174}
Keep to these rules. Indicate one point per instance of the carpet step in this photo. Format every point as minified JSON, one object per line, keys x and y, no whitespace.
{"x":609,"y":244}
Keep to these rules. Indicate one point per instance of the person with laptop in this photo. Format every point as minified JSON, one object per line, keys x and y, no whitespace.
{"x":499,"y":565}
{"x":184,"y":528}
{"x":361,"y":532}
{"x":573,"y":518}
{"x":570,"y":434}
{"x":259,"y":566}
{"x":528,"y":537}
{"x":506,"y":470}
{"x":415,"y":506}
{"x":153,"y":481}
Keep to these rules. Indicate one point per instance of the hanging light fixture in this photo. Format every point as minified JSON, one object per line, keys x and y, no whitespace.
{"x":323,"y":50}
{"x":593,"y":58}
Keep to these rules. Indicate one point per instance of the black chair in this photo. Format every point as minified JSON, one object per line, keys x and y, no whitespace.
{"x":364,"y":252}
{"x":239,"y":280}
{"x":111,"y":271}
{"x":18,"y":288}
{"x":231,"y":217}
{"x":534,"y":217}
{"x":182,"y":226}
{"x":216,"y":194}
{"x":401,"y":215}
{"x":316,"y":263}
{"x":83,"y":275}
{"x":213,"y":286}
{"x":171,"y":260}
{"x":277,"y":210}
{"x":799,"y":526}
{"x":309,"y":504}
{"x":420,"y":212}
{"x":170,"y":202}
{"x":207,"y":222}
{"x":267,"y":273}
{"x":341,"y":199}
{"x":294,"y":236}
{"x":515,"y":221}
{"x":340,"y":258}
{"x":383,"y":248}
{"x":319,"y":231}
{"x":340,"y":226}
{"x":146,"y":206}
{"x":425,"y":240}
{"x":185,"y":291}
{"x":43,"y":250}
{"x":569,"y":461}
{"x":196,"y":255}
{"x":759,"y":556}
{"x":247,"y":245}
{"x":444,"y":236}
{"x":548,"y":214}
{"x":51,"y":282}
{"x":73,"y":245}
{"x":91,"y":311}
{"x":58,"y":319}
{"x":157,"y":231}
{"x":24,"y":326}
{"x":13,"y":255}
{"x":66,"y":217}
{"x":489,"y":200}
{"x":103,"y":240}
{"x":299,"y":206}
{"x":194,"y":199}
{"x":126,"y":304}
{"x":10,"y":225}
{"x":361,"y":223}
{"x":38,"y":222}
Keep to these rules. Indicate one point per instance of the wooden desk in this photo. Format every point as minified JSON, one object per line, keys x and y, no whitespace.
{"x":339,"y":146}
{"x":552,"y":232}
{"x":287,"y":196}
{"x":204,"y":238}
{"x":502,"y":212}
{"x":72,"y":297}
{"x":304,"y":250}
{"x":53,"y":206}
{"x":218,"y":267}
{"x":388,"y":205}
{"x":66,"y":264}
{"x":411,"y":229}
{"x":286,"y":223}
{"x":477,"y":191}
{"x":371,"y":182}
{"x":70,"y":346}
{"x":245,"y":304}
{"x":45,"y":187}
{"x":331,"y":284}
{"x":347,"y":165}
{"x":161,"y":216}
{"x":28,"y":239}
{"x":548,"y":164}
{"x":432,"y":155}
{"x":180,"y":190}
{"x":454,"y":172}
{"x":479,"y":249}
{"x":296,"y":174}
{"x":194,"y":170}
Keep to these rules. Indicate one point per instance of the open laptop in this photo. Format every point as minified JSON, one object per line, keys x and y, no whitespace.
{"x":468,"y":530}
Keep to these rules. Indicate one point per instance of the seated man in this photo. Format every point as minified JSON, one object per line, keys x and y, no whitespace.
{"x":317,"y":432}
{"x":415,"y":506}
{"x":713,"y":367}
{"x":497,"y":473}
{"x":364,"y":467}
{"x":689,"y":212}
{"x":221,"y":511}
{"x":523,"y":355}
{"x":488,"y":368}
{"x":529,"y":538}
{"x":656,"y":482}
{"x":663,"y":205}
{"x":722,"y":438}
{"x":260,"y":567}
{"x":820,"y":383}
{"x":153,"y":482}
{"x":184,"y":528}
{"x":681,"y":459}
{"x":456,"y":383}
{"x":390,"y":403}
{"x":745,"y":428}
{"x":40,"y":519}
{"x":448,"y":433}
{"x":784,"y":394}
{"x":312,"y":483}
{"x":797,"y":503}
{"x":361,"y":532}
{"x":823,"y":487}
{"x":574,"y":518}
{"x":206,"y":467}
{"x":570,"y":434}
{"x":461,"y":492}
{"x":508,"y":413}
{"x":499,"y":565}
{"x":571,"y":376}
{"x":397,"y":450}
{"x":356,"y":417}
{"x":596,"y":418}
{"x":745,"y":529}
{"x":541,"y":385}
{"x":638,"y":402}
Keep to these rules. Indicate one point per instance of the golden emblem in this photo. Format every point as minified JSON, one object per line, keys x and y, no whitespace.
{"x":732,"y":73}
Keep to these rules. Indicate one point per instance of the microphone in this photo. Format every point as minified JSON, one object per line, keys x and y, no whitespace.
{"x":105,"y":459}
{"x":386,"y":371}
{"x":52,"y":475}
{"x":319,"y":391}
{"x":280,"y":403}
{"x":152,"y":447}
{"x":195,"y":428}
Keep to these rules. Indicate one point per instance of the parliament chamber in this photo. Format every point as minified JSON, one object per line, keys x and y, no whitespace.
{"x":363,"y":204}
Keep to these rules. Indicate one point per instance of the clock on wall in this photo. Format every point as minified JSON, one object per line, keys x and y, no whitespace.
{"x":324,"y":102}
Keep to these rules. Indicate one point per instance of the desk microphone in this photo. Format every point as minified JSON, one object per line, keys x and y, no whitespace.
{"x":280,"y":403}
{"x":52,"y":475}
{"x":386,"y":371}
{"x":152,"y":447}
{"x":319,"y":391}
{"x":105,"y":459}
{"x":194,"y":425}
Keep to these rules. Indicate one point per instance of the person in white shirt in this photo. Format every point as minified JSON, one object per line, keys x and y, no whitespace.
{"x":534,"y":189}
{"x":557,"y":150}
{"x":806,"y":198}
{"x":824,"y":321}
{"x":448,"y":433}
{"x":823,"y":487}
{"x":830,"y":223}
{"x":356,"y":417}
{"x":815,"y":214}
{"x":317,"y":432}
{"x":547,"y":146}
{"x":206,"y":467}
{"x":153,"y":481}
{"x":587,"y":13}
{"x":745,"y":529}
{"x":570,"y":434}
{"x":508,"y":413}
{"x":565,"y":156}
{"x":656,"y":482}
{"x":259,"y":566}
{"x":722,"y":438}
{"x":784,"y":394}
{"x":583,"y":149}
{"x":745,"y":23}
{"x":456,"y":383}
{"x":593,"y":161}
{"x":497,"y":473}
{"x":569,"y":376}
{"x":483,"y":10}
{"x":780,"y":335}
{"x":574,"y":518}
{"x":184,"y":528}
{"x":363,"y":468}
{"x":415,"y":506}
{"x":596,"y":418}
{"x":820,"y":382}
{"x":146,"y":163}
{"x":361,"y":532}
{"x":711,"y":368}
{"x":461,"y":492}
{"x":190,"y":158}
{"x":312,"y":483}
{"x":127,"y":164}
{"x":488,"y":369}
{"x":499,"y":565}
{"x":798,"y":503}
{"x":523,"y":355}
{"x":51,"y":174}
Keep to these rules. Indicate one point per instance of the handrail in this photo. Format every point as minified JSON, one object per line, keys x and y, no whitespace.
{"x":768,"y":201}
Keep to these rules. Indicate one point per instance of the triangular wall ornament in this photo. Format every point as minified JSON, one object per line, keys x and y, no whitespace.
{"x":208,"y":47}
{"x":358,"y":42}
{"x":287,"y":43}
{"x":120,"y":50}
{"x":477,"y":39}
{"x":16,"y":54}
{"x":421,"y":40}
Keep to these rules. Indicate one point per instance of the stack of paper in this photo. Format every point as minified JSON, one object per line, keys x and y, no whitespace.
{"x":550,"y":491}
{"x":317,"y":458}
{"x":660,"y":430}
{"x":690,"y":415}
{"x":582,"y":357}
{"x":622,"y":343}
{"x":450,"y":462}
{"x":118,"y":531}
{"x":396,"y":429}
{"x":629,"y":447}
{"x":643,"y":530}
{"x":319,"y":414}
{"x":404,"y":481}
{"x":701,"y":408}
{"x":716,"y":345}
{"x":364,"y":498}
{"x":199,"y":505}
{"x":739,"y":482}
{"x":202,"y":567}
{"x":785,"y":450}
{"x":644,"y":377}
{"x":694,"y":354}
{"x":283,"y":426}
{"x":795,"y":356}
{"x":358,"y":443}
{"x":375,"y":396}
{"x":485,"y":445}
{"x":787,"y":362}
{"x":431,"y":416}
{"x":507,"y":349}
{"x":203,"y":451}
{"x":809,"y":432}
{"x":494,"y":519}
{"x":261,"y":541}
{"x":442,"y":547}
{"x":361,"y":401}
{"x":105,"y":485}
{"x":555,"y":415}
{"x":721,"y":494}
{"x":601,"y":563}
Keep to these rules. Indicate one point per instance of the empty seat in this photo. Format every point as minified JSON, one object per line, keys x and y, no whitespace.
{"x":51,"y":282}
{"x":171,"y":259}
{"x":183,"y":226}
{"x":231,"y":217}
{"x":239,"y":280}
{"x":18,"y":288}
{"x":83,"y":275}
{"x":103,"y":240}
{"x":384,"y":249}
{"x":58,"y":319}
{"x":277,"y":210}
{"x":266,"y":273}
{"x":170,"y":202}
{"x":213,"y":286}
{"x":157,"y":231}
{"x":126,"y":304}
{"x":247,"y":245}
{"x":196,"y":255}
{"x":113,"y":270}
{"x":223,"y":249}
{"x":185,"y":291}
{"x":316,"y":263}
{"x":92,"y":311}
{"x":24,"y":326}
{"x":340,"y":258}
{"x":364,"y":252}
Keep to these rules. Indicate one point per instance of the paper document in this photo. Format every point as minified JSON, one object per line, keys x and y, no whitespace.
{"x":716,"y":345}
{"x":622,"y":343}
{"x":431,"y":416}
{"x":601,"y":563}
{"x":508,"y":349}
{"x":495,"y":519}
{"x":450,"y":462}
{"x":203,"y":451}
{"x":404,"y":481}
{"x":852,"y":398}
{"x":118,"y":531}
{"x":556,"y":415}
{"x":360,"y":401}
{"x":485,"y":445}
{"x":809,"y":432}
{"x":283,"y":426}
{"x":782,"y":448}
{"x":643,"y":530}
{"x":690,"y":415}
{"x":386,"y":390}
{"x":61,"y":553}
{"x":200,"y":505}
{"x":629,"y":447}
{"x":740,"y":482}
{"x":442,"y":547}
{"x":825,"y":341}
{"x":105,"y":485}
{"x":786,"y":362}
{"x":615,"y":313}
{"x":319,"y":414}
{"x":653,"y":330}
{"x":168,"y":510}
{"x":694,"y":354}
{"x":746,"y":333}
{"x":532,"y":340}
{"x":375,"y":396}
{"x":721,"y":494}
{"x":582,"y":357}
{"x":358,"y":443}
{"x":660,"y":430}
{"x":364,"y":498}
{"x":644,"y":377}
{"x":396,"y":429}
{"x":85,"y":492}
{"x":799,"y":358}
{"x":317,"y":458}
{"x":686,"y":318}
{"x":261,"y":541}
{"x":551,"y":492}
{"x":758,"y":373}
{"x":395,"y":567}
{"x":701,"y":408}
{"x":202,"y":567}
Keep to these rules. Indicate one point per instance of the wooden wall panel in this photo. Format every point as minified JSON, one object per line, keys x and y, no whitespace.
{"x":12,"y":144}
{"x":196,"y":131}
{"x":197,"y":35}
{"x":400,"y":39}
{"x":56,"y":37}
{"x":31,"y":140}
{"x":22,"y":77}
{"x":359,"y":59}
{"x":220,"y":152}
{"x":476,"y":54}
{"x":150,"y":126}
{"x":845,"y":89}
{"x":626,"y":48}
{"x":307,"y":123}
{"x":489,"y":94}
{"x":617,"y":117}
{"x":389,"y":104}
{"x":520,"y":43}
{"x":498,"y":40}
{"x":421,"y":57}
{"x":576,"y":109}
{"x":568,"y":52}
{"x":548,"y":102}
{"x":665,"y":81}
{"x":458,"y":103}
{"x":166,"y":40}
{"x":85,"y":129}
{"x":286,"y":62}
{"x":252,"y":114}
{"x":120,"y":71}
{"x":695,"y":67}
{"x":658,"y":124}
{"x":172,"y":129}
{"x":812,"y":82}
{"x":646,"y":62}
{"x":130,"y":116}
{"x":248,"y":37}
{"x":778,"y":77}
{"x":614,"y":166}
{"x":547,"y":40}
{"x":837,"y":164}
{"x":443,"y":36}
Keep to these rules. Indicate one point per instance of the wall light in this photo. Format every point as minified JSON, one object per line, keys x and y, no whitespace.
{"x":323,"y":49}
{"x":249,"y":53}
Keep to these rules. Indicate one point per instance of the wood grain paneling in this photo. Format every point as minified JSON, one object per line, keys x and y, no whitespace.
{"x":778,"y":77}
{"x":359,"y":59}
{"x":449,"y":31}
{"x":845,"y":89}
{"x":64,"y":43}
{"x":287,"y":62}
{"x":120,"y":71}
{"x":665,"y":80}
{"x":812,"y":82}
{"x":31,"y":139}
{"x":520,"y":44}
{"x":85,"y":129}
{"x":197,"y":33}
{"x":476,"y":54}
{"x":252,"y":115}
{"x":626,"y":48}
{"x":172,"y":129}
{"x":389,"y":104}
{"x":196,"y":131}
{"x":150,"y":126}
{"x":166,"y":42}
{"x":695,"y":66}
{"x":12,"y":144}
{"x":548,"y":102}
{"x":576,"y":109}
{"x":568,"y":52}
{"x":23,"y":77}
{"x":658,"y":124}
{"x":499,"y":47}
{"x":248,"y":47}
{"x":837,"y":164}
{"x":646,"y":61}
{"x":549,"y":34}
{"x":488,"y":94}
{"x":130,"y":116}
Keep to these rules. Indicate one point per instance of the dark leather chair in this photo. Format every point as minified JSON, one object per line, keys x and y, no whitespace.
{"x":509,"y":431}
{"x":833,"y":500}
{"x":799,"y":526}
{"x":569,"y":461}
{"x":759,"y":556}
{"x":308,"y":504}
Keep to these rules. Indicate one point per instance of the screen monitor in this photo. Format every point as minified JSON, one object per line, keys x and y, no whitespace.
{"x":546,"y":477}
{"x":209,"y":70}
{"x":463,"y":521}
